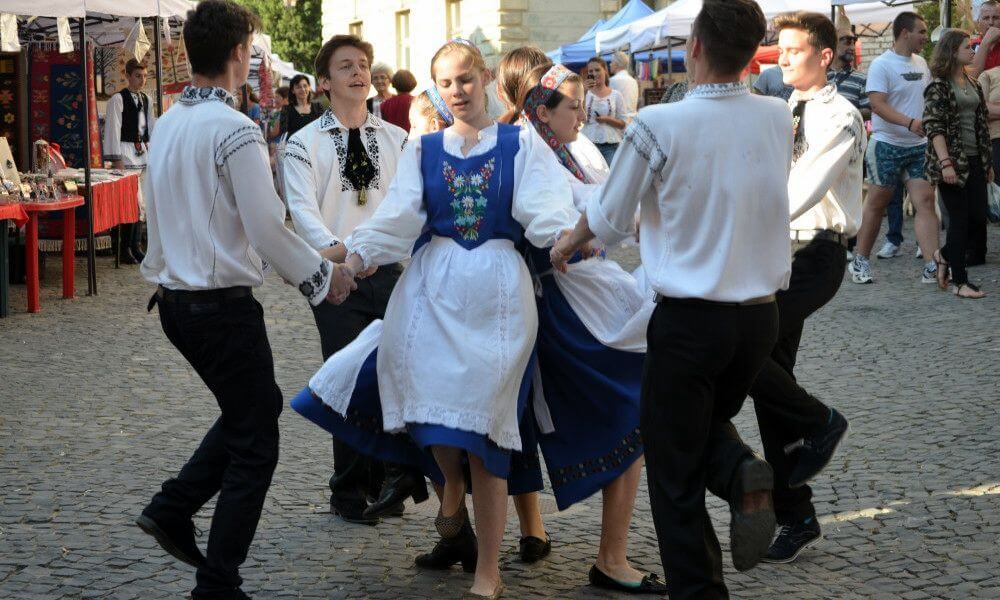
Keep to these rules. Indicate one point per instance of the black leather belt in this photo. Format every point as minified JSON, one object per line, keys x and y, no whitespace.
{"x":749,"y":302}
{"x":201,"y":296}
{"x":826,"y":235}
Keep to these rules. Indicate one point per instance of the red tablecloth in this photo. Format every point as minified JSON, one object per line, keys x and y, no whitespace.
{"x":115,"y":202}
{"x":15,"y":212}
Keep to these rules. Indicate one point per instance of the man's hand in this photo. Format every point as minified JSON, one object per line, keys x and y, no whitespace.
{"x":335,"y":253}
{"x":341,"y":284}
{"x":918,"y":127}
{"x":991,"y":37}
{"x":367,"y":272}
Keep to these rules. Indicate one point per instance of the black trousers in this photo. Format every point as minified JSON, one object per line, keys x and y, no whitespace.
{"x":354,"y":475}
{"x":701,"y":360}
{"x":226,"y":343}
{"x":967,"y":223}
{"x":786,"y":412}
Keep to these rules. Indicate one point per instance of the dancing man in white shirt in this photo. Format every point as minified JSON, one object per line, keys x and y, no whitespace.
{"x":128,"y":123}
{"x":213,"y":217}
{"x":717,"y":320}
{"x":800,"y":433}
{"x":337,"y":171}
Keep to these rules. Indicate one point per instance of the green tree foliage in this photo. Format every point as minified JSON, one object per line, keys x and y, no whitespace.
{"x":931,"y":12}
{"x":296,"y":33}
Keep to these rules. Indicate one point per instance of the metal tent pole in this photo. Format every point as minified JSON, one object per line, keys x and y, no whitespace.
{"x":159,"y":66}
{"x":89,"y":196}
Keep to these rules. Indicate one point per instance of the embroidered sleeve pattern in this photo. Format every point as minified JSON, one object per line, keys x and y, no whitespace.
{"x":641,"y":137}
{"x":312,"y":287}
{"x":297,"y":150}
{"x":242,"y":137}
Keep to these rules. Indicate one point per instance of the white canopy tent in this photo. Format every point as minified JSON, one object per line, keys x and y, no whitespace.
{"x":676,"y":21}
{"x":82,"y":8}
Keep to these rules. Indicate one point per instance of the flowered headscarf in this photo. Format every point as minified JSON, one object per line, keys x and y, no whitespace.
{"x":538,"y":96}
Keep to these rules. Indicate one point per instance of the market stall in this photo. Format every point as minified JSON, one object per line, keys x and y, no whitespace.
{"x":73,"y":28}
{"x":579,"y":52}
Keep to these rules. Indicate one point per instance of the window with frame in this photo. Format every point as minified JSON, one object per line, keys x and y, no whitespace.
{"x":403,"y":39}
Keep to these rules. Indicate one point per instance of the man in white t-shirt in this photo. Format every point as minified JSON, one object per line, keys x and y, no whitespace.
{"x":896,"y":82}
{"x":623,"y":81}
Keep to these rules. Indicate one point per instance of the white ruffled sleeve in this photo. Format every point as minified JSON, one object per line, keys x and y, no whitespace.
{"x":543,"y":200}
{"x":388,"y":236}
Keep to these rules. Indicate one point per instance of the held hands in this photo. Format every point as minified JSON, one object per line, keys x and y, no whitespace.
{"x":562,"y":251}
{"x":341,"y":284}
{"x":336,"y":253}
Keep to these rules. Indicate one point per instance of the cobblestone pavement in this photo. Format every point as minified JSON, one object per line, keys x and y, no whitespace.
{"x":96,"y":409}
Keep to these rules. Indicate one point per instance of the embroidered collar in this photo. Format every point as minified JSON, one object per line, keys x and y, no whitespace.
{"x":825,"y":94}
{"x":329,"y":121}
{"x":718,"y":90}
{"x":197,"y":95}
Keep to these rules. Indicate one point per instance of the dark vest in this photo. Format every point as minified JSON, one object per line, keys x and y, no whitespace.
{"x":130,"y":117}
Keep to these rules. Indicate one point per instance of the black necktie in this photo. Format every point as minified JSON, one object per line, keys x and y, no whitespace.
{"x":360,"y":171}
{"x":798,"y":129}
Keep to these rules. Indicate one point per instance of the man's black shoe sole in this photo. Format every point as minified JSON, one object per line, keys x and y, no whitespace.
{"x":150,"y":527}
{"x":751,"y":534}
{"x":784,"y":561}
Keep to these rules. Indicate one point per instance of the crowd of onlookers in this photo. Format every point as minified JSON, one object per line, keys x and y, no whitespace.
{"x":935,"y":130}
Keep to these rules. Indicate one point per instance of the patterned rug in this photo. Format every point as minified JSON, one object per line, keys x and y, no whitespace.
{"x":57,"y":87}
{"x":9,"y":100}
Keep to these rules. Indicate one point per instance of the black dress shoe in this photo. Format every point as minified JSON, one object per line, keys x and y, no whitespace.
{"x":650,"y":584}
{"x":400,"y":483}
{"x":816,"y":451}
{"x":176,"y":537}
{"x":751,"y":510}
{"x":448,"y":551}
{"x":792,"y":540}
{"x":137,"y":254}
{"x":534,"y":549}
{"x":352,"y":511}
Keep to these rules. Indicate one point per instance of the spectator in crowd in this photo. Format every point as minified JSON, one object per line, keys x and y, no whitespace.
{"x":250,"y":103}
{"x":396,"y":110}
{"x":850,"y":82}
{"x":896,"y":82}
{"x":985,"y":44}
{"x":280,"y":102}
{"x":606,"y":110}
{"x":770,"y":83}
{"x":959,"y":155}
{"x":990,"y":82}
{"x":381,"y":78}
{"x":623,"y":82}
{"x":301,"y":110}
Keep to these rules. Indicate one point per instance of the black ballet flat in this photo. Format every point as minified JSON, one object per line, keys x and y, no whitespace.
{"x":534,"y":549}
{"x":650,"y":584}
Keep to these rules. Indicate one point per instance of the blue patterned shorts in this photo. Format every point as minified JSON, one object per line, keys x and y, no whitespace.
{"x":889,"y":165}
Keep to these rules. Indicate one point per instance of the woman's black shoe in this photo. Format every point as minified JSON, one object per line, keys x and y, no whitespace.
{"x":650,"y":584}
{"x":400,"y":483}
{"x":448,"y":551}
{"x":534,"y":549}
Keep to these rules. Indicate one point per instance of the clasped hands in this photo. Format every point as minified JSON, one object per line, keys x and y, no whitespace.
{"x":345,"y":270}
{"x":564,"y":249}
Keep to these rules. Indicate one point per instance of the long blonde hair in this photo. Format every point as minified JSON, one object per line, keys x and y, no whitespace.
{"x":511,"y":71}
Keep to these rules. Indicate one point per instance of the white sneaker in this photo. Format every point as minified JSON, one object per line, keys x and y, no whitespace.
{"x":920,"y":253}
{"x":889,"y":250}
{"x":929,"y":275}
{"x":860,"y":269}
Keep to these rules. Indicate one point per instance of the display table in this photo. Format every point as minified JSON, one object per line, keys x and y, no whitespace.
{"x":115,"y":202}
{"x":67,"y":206}
{"x":17,"y":214}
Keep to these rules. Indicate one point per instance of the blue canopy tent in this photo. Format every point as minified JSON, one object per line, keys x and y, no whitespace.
{"x":676,"y":56}
{"x":575,"y":55}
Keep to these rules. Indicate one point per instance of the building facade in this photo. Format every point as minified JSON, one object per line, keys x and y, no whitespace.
{"x":406,"y":33}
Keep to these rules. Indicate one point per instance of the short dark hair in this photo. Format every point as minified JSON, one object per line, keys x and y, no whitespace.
{"x":822,"y":32}
{"x":404,"y":81}
{"x":322,"y":63}
{"x":730,"y":31}
{"x":282,"y":91}
{"x":133,"y":65}
{"x":905,"y":21}
{"x":211,"y":32}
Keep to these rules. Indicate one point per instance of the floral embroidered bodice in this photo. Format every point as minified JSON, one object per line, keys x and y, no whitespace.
{"x":469,"y":199}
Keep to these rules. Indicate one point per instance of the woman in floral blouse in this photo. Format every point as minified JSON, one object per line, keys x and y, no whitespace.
{"x":959,"y":156}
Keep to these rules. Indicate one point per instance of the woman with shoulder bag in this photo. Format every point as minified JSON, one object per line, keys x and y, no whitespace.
{"x":959,"y":155}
